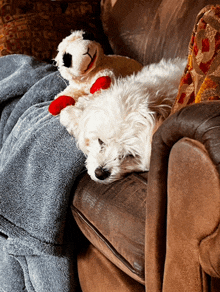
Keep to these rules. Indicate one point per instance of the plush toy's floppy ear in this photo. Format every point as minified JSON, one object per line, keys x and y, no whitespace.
{"x":60,"y":103}
{"x":103,"y":82}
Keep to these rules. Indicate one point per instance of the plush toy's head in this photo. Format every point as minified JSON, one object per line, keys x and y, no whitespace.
{"x":78,"y":54}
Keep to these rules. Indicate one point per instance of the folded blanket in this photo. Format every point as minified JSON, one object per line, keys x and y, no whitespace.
{"x":39,"y":161}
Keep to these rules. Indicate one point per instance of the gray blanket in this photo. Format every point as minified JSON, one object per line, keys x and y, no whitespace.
{"x":39,"y":163}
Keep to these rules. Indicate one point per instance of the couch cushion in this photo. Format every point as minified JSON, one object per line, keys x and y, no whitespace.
{"x":94,"y":267}
{"x":150,"y":30}
{"x":36,"y":27}
{"x":112,"y":217}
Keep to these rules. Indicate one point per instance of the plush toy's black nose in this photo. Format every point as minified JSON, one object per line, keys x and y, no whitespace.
{"x":102,"y":173}
{"x":88,"y":36}
{"x":67,"y":60}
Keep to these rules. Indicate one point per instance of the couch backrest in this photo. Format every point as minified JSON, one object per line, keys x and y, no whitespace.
{"x":149,"y":30}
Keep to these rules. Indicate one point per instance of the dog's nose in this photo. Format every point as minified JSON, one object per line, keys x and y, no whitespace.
{"x":102,"y":173}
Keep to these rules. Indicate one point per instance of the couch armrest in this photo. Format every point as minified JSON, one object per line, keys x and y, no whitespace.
{"x":192,"y":217}
{"x":200,"y":122}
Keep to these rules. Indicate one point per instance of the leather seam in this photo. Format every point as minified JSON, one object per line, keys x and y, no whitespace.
{"x":106,"y":242}
{"x":206,"y":238}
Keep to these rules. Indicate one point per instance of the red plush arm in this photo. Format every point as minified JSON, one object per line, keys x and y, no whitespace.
{"x":60,"y":103}
{"x":103,"y":82}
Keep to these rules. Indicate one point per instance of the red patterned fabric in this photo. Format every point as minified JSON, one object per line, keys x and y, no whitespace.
{"x":201,"y":80}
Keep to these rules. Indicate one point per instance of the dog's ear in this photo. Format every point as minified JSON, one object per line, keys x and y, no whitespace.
{"x":161,"y":106}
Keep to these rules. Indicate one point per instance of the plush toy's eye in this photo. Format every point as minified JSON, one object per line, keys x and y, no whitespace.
{"x":67,"y":60}
{"x":88,"y":36}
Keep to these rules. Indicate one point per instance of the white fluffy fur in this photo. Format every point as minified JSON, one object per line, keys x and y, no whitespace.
{"x":115,"y":129}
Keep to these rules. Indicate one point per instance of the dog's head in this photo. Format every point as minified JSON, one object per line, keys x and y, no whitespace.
{"x":77,"y":55}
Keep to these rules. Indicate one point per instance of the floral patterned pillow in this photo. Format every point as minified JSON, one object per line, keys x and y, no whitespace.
{"x":36,"y":27}
{"x":201,"y":79}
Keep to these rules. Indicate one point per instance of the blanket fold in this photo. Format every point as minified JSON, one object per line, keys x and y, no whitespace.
{"x":39,"y":160}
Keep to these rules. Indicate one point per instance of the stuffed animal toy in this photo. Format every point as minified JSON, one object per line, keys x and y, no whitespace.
{"x":82,"y":62}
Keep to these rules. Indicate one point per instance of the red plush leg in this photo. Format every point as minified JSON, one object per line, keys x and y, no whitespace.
{"x":103,"y":82}
{"x":60,"y":103}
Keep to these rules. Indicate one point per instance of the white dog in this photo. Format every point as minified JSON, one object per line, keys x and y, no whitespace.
{"x":114,"y":129}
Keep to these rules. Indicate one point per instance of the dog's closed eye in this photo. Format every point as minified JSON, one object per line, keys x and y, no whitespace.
{"x":101,"y":143}
{"x":128,"y":156}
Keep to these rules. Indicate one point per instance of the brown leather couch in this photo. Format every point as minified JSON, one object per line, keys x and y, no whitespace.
{"x":156,"y":231}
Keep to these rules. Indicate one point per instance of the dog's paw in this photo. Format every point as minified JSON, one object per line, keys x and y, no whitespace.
{"x":69,"y":117}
